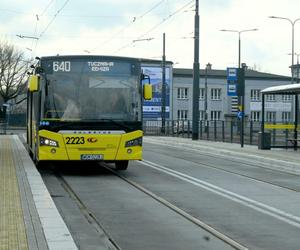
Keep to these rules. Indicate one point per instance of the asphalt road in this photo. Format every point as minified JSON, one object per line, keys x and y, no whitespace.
{"x":256,"y":207}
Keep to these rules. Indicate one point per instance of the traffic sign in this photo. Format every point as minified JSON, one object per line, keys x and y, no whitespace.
{"x":231,"y":88}
{"x":232,"y":74}
{"x":240,"y":114}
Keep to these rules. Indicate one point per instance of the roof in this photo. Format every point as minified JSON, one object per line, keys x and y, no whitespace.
{"x":283,"y":89}
{"x":217,"y":73}
{"x":154,"y":61}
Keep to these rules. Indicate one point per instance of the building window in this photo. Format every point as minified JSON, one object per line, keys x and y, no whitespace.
{"x":270,"y":98}
{"x":255,"y":115}
{"x":215,"y":115}
{"x":182,"y":114}
{"x":286,"y":116}
{"x":270,"y":116}
{"x":182,"y":93}
{"x":201,"y":93}
{"x":255,"y":94}
{"x":215,"y":94}
{"x":286,"y":98}
{"x":201,"y":115}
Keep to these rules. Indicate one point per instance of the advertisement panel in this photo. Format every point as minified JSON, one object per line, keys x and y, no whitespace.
{"x":152,"y":108}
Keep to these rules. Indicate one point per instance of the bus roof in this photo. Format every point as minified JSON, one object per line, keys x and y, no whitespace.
{"x":89,"y":57}
{"x":105,"y":57}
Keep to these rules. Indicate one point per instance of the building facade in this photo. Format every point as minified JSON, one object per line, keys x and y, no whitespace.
{"x":217,"y":105}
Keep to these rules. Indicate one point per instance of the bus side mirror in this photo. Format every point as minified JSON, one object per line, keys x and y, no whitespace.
{"x":33,"y":83}
{"x":147,"y":91}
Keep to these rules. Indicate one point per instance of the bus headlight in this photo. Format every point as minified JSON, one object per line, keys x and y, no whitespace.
{"x":134,"y":142}
{"x":48,"y":142}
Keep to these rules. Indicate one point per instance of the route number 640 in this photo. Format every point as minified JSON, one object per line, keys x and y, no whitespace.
{"x":64,"y":66}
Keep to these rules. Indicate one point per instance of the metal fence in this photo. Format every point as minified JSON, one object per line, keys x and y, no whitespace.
{"x":223,"y":131}
{"x":12,"y":121}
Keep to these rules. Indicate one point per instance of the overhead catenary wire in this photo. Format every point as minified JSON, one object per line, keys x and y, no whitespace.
{"x":151,"y":9}
{"x":128,"y":25}
{"x":54,"y":17}
{"x":46,"y":8}
{"x":156,"y":25}
{"x":37,"y":17}
{"x":65,"y":16}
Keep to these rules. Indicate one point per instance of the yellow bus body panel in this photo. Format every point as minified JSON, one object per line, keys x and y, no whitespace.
{"x":110,"y":146}
{"x":44,"y":152}
{"x":136,"y":153}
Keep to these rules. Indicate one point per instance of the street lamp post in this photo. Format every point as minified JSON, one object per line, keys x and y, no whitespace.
{"x":293,"y":36}
{"x":239,"y":33}
{"x":241,"y":98}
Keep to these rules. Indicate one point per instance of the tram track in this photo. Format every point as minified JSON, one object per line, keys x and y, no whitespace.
{"x":220,"y":168}
{"x":268,"y":162}
{"x":179,"y":211}
{"x":211,"y":232}
{"x":243,"y":200}
{"x":111,"y":243}
{"x":240,"y":162}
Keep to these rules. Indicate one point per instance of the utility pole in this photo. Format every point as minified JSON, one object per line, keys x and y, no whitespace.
{"x":196,"y":69}
{"x":163,"y":89}
{"x":208,"y":67}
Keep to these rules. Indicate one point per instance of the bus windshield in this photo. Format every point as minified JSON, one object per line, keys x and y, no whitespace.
{"x":88,"y":95}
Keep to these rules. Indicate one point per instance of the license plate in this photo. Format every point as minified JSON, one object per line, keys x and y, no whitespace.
{"x":91,"y":157}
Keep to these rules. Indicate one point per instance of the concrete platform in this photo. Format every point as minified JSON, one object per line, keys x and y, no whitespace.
{"x":29,"y":218}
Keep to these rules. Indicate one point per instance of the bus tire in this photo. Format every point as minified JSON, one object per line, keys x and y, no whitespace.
{"x":121,"y":165}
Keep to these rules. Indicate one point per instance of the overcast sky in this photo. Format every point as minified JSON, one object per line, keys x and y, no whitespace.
{"x":111,"y":27}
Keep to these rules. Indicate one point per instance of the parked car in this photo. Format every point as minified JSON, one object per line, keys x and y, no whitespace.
{"x":182,"y":126}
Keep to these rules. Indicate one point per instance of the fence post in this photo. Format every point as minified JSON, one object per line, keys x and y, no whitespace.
{"x":144,"y":127}
{"x":172,"y":123}
{"x":286,"y":137}
{"x":223,"y":131}
{"x":251,"y":132}
{"x":200,"y":128}
{"x":215,"y":130}
{"x":274,"y":134}
{"x":231,"y":131}
{"x":181,"y":127}
{"x":207,"y":131}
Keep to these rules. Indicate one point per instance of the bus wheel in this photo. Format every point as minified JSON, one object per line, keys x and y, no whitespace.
{"x":121,"y":165}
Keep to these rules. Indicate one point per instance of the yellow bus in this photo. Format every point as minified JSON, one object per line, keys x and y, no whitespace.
{"x":86,"y":108}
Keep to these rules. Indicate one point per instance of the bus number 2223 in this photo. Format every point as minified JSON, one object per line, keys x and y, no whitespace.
{"x":64,"y":66}
{"x":74,"y":140}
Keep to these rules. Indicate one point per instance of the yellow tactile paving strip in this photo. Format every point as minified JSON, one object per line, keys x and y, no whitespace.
{"x":12,"y":227}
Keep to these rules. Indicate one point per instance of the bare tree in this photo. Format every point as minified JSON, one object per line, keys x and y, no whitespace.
{"x":13,"y":69}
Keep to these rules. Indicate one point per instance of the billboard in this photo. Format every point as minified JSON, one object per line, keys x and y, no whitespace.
{"x":152,"y":108}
